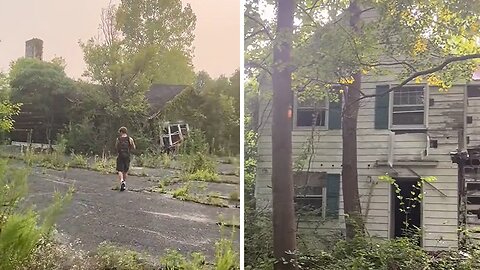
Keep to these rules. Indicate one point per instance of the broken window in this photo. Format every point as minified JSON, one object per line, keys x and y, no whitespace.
{"x":409,"y":106}
{"x":309,"y":113}
{"x":310,"y":193}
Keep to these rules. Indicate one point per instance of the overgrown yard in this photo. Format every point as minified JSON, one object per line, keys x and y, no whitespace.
{"x":161,"y":210}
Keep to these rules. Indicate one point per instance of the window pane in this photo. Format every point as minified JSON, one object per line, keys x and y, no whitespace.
{"x":408,"y":95}
{"x":305,"y":117}
{"x":473,"y":90}
{"x":408,"y":106}
{"x":408,"y":118}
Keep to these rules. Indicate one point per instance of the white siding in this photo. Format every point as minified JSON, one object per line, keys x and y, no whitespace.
{"x":439,"y":206}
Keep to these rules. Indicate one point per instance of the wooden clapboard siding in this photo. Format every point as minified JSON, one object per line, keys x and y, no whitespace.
{"x":445,"y":117}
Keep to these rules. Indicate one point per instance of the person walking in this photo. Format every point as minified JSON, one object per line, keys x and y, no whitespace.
{"x":124,"y":145}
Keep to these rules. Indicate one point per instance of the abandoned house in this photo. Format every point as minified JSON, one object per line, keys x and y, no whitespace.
{"x":171,"y":131}
{"x":407,"y":134}
{"x":30,"y":124}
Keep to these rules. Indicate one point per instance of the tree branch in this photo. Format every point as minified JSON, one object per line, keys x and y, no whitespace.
{"x":415,"y":75}
{"x":264,"y":27}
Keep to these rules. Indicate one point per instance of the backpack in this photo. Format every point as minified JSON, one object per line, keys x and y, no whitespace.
{"x":123,"y":147}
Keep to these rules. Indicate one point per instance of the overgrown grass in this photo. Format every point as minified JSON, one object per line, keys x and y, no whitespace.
{"x":50,"y":254}
{"x":363,"y":252}
{"x":153,"y":160}
{"x":184,"y":193}
{"x":202,"y":175}
{"x":234,"y":196}
{"x":104,"y":165}
{"x":78,"y":161}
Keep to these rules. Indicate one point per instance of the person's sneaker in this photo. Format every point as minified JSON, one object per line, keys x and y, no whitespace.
{"x":123,"y":186}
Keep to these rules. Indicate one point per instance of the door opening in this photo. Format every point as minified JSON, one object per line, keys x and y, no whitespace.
{"x":406,"y":212}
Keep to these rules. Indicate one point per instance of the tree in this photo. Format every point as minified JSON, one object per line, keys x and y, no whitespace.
{"x":335,"y":44}
{"x":134,"y":50}
{"x":164,"y":26}
{"x":7,"y":109}
{"x":284,"y":236}
{"x":44,"y":86}
{"x":415,"y":40}
{"x":213,"y":107}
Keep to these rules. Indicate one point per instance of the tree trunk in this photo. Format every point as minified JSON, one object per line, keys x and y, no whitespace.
{"x":351,"y":198}
{"x":284,"y":237}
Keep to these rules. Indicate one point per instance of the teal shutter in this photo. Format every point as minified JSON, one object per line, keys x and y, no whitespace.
{"x":335,"y":114}
{"x":333,"y":194}
{"x":382,"y":107}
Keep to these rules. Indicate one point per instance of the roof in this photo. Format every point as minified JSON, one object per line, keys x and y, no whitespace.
{"x":160,"y":94}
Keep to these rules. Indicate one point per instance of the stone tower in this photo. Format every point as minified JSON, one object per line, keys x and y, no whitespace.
{"x":34,"y":48}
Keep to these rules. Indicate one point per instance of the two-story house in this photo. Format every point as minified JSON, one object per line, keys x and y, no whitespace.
{"x":407,"y":134}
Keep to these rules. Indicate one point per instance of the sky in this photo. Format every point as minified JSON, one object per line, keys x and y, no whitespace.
{"x":61,"y":24}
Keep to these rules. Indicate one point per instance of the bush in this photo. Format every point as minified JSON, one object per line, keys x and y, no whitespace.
{"x":79,"y":161}
{"x":104,"y":164}
{"x":173,"y":260}
{"x":50,"y":254}
{"x":195,"y":143}
{"x":152,"y":160}
{"x":197,"y":162}
{"x":226,"y":258}
{"x":111,"y":257}
{"x":22,"y":230}
{"x":258,"y":249}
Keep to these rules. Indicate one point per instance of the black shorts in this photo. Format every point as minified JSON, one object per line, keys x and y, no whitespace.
{"x":123,"y":164}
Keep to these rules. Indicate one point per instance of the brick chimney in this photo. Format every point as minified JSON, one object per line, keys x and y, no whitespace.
{"x":34,"y":48}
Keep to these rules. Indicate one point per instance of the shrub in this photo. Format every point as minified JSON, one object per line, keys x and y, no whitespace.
{"x":22,"y":230}
{"x":153,"y":160}
{"x":195,"y":143}
{"x":197,"y":162}
{"x":173,"y":260}
{"x":111,"y":257}
{"x":226,"y":258}
{"x":79,"y":161}
{"x":105,"y":165}
{"x":50,"y":254}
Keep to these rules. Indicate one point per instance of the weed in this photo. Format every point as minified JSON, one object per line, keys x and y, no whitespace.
{"x":226,"y":258}
{"x":234,"y":196}
{"x":173,"y":260}
{"x":111,"y":257}
{"x":182,"y":192}
{"x":197,"y":162}
{"x":214,"y":200}
{"x":153,"y":160}
{"x":104,"y":165}
{"x":202,"y":175}
{"x":78,"y":161}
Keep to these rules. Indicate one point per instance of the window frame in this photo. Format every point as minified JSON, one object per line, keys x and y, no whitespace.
{"x":295,"y":113}
{"x":426,"y":94}
{"x":323,"y":196}
{"x":472,"y":84}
